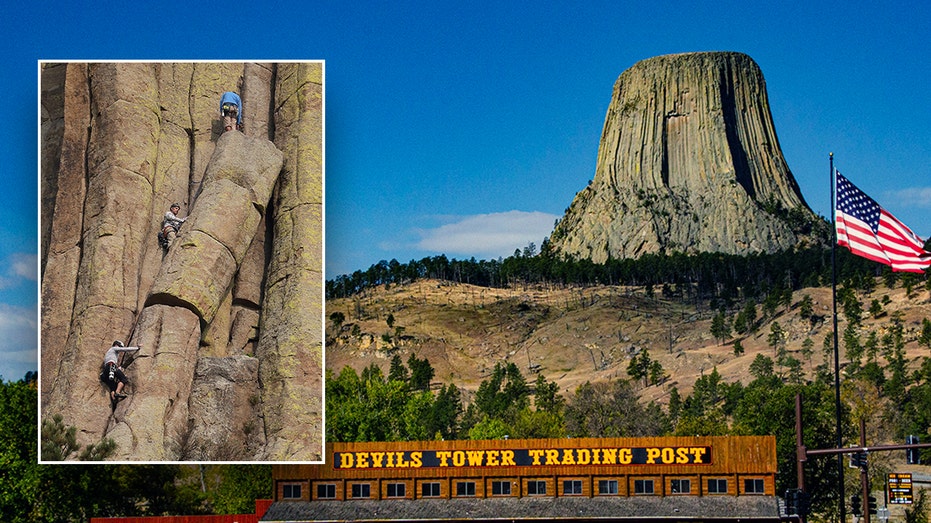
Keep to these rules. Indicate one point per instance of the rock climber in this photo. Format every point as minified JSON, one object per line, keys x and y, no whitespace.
{"x":170,"y":226}
{"x":112,"y":373}
{"x":231,"y":111}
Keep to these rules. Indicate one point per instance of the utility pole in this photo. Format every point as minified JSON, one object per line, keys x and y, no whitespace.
{"x":864,"y":475}
{"x":801,"y":451}
{"x":802,"y":457}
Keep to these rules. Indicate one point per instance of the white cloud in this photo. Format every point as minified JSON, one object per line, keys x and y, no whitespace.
{"x":489,"y":235}
{"x":19,"y":341}
{"x":19,"y":266}
{"x":919,"y":197}
{"x":25,"y":266}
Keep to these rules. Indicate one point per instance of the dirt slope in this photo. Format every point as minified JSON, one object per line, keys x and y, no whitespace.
{"x":574,"y":334}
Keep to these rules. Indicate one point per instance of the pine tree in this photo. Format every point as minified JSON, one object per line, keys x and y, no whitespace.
{"x":806,"y":307}
{"x":720,"y":328}
{"x":853,"y":349}
{"x":925,"y":337}
{"x":421,"y":372}
{"x":776,"y":337}
{"x":749,"y":312}
{"x":738,"y":348}
{"x":397,"y":371}
{"x":808,"y":349}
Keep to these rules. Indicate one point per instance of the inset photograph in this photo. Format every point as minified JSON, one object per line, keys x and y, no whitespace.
{"x":181,"y":264}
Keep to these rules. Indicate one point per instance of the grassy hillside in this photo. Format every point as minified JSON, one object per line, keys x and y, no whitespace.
{"x":574,"y":334}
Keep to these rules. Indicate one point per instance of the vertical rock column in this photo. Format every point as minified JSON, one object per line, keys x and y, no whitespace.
{"x":63,"y":251}
{"x":290,"y":347}
{"x":120,"y":163}
{"x":193,"y":282}
{"x":208,"y":82}
{"x":173,"y":164}
{"x":233,"y":332}
{"x":257,"y":92}
{"x":52,"y":111}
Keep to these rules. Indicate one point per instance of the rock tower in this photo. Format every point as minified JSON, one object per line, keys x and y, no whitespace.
{"x":688,"y":162}
{"x":230,"y":318}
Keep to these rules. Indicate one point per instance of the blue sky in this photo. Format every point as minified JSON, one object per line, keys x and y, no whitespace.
{"x":466,"y":128}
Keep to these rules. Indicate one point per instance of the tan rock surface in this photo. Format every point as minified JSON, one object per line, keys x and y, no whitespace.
{"x":120,"y":143}
{"x":225,"y":394}
{"x":64,"y":140}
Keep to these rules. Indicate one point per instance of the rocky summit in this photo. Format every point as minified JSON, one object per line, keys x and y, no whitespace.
{"x":229,"y":318}
{"x":688,"y":162}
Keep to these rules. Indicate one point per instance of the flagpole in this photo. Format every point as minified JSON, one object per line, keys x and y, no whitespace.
{"x":837,"y":405}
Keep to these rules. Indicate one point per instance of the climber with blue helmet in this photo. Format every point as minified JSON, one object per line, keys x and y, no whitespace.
{"x":231,"y":111}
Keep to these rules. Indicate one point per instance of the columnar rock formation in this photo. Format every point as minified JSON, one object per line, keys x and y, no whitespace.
{"x":688,"y":162}
{"x":229,"y":320}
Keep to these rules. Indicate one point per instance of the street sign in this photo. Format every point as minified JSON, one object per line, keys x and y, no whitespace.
{"x":899,"y":486}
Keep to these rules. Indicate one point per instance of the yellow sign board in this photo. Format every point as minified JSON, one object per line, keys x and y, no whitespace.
{"x":700,"y":455}
{"x":899,"y":487}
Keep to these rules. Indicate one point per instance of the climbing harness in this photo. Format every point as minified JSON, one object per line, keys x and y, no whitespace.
{"x":163,"y":235}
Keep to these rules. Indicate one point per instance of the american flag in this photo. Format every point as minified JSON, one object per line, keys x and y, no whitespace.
{"x":870,"y":231}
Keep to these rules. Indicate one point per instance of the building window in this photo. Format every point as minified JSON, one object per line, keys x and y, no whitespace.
{"x":753,"y":486}
{"x":681,"y":486}
{"x":607,"y":487}
{"x":430,"y":490}
{"x":396,"y":490}
{"x":326,"y":491}
{"x":291,"y":491}
{"x":717,"y":486}
{"x":536,"y":488}
{"x":466,"y":488}
{"x":572,"y":487}
{"x":643,"y":486}
{"x":498,"y":488}
{"x":361,"y":490}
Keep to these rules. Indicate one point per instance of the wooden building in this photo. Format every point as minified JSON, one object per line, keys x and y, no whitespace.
{"x":689,"y":478}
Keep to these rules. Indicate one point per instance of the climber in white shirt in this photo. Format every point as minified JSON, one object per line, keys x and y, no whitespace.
{"x":112,"y":373}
